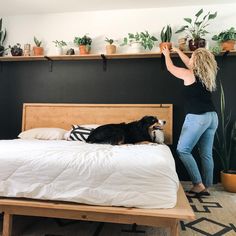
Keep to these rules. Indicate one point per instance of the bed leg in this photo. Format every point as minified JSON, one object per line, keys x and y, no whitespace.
{"x":7,"y":224}
{"x":174,"y":230}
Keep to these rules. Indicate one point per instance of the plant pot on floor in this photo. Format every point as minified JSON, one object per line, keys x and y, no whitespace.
{"x":228,"y":180}
{"x":228,"y":45}
{"x":165,"y":44}
{"x":110,"y":49}
{"x":38,"y":51}
{"x":196,"y":43}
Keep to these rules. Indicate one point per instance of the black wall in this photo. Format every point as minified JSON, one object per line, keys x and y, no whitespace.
{"x":125,"y":81}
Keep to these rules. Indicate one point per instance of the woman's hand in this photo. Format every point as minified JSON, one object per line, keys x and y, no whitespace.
{"x":166,"y":51}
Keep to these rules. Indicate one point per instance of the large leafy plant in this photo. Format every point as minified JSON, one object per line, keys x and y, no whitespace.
{"x":85,"y":40}
{"x":146,"y":40}
{"x":196,"y":28}
{"x":225,"y":135}
{"x":226,"y":35}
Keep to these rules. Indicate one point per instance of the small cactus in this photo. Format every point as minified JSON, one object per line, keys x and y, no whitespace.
{"x":37,"y":42}
{"x":110,"y":41}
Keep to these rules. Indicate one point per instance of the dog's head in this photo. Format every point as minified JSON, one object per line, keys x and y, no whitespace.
{"x":154,"y":127}
{"x":152,"y":122}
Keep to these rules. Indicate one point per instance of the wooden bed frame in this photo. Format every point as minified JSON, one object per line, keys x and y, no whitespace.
{"x":63,"y":116}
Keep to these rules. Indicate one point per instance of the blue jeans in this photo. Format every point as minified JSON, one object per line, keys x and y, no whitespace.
{"x":198,"y":130}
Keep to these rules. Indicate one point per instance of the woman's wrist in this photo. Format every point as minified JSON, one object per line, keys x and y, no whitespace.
{"x":178,"y":50}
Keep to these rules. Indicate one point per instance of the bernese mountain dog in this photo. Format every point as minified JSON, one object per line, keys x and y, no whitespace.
{"x":127,"y":133}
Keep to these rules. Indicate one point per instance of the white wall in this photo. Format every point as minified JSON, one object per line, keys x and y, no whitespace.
{"x":114,"y":24}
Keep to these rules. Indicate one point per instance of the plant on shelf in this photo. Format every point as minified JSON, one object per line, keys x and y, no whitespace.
{"x":3,"y":34}
{"x":110,"y":47}
{"x":225,"y":147}
{"x":16,"y":50}
{"x":166,"y":34}
{"x":196,"y":29}
{"x":59,"y":45}
{"x":37,"y":49}
{"x":143,"y":39}
{"x":216,"y":50}
{"x":84,"y":44}
{"x":226,"y":39}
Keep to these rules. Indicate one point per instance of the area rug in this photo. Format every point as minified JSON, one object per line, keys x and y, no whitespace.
{"x":215,"y":216}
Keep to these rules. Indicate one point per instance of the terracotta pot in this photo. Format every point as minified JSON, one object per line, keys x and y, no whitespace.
{"x":165,"y":44}
{"x":196,"y":43}
{"x":228,"y":181}
{"x":38,"y":51}
{"x":83,"y":49}
{"x":228,"y":45}
{"x":110,"y":49}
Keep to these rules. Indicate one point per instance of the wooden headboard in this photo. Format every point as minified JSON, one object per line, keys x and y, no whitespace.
{"x":37,"y":115}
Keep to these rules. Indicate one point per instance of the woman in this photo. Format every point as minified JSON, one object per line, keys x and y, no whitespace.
{"x":201,"y":120}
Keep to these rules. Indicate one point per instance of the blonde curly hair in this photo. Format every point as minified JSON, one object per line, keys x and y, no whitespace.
{"x":205,"y":68}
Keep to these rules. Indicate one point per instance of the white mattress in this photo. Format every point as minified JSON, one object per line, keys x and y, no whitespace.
{"x":141,"y":176}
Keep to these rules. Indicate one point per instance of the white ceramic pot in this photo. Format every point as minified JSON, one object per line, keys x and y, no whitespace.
{"x":59,"y":51}
{"x":135,"y":48}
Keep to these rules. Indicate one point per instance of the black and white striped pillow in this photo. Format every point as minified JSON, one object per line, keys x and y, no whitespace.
{"x":80,"y":133}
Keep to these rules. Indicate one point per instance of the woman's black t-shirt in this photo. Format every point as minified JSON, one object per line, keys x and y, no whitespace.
{"x":198,"y":99}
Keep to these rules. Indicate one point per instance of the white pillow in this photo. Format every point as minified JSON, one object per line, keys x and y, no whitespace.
{"x":44,"y":134}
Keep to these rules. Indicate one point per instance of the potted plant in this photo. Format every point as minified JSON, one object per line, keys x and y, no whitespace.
{"x":38,"y":50}
{"x":110,"y":47}
{"x":84,"y":44}
{"x":226,"y":39}
{"x":216,"y":50}
{"x":142,"y":39}
{"x":166,"y":34}
{"x":3,"y":34}
{"x":196,"y":29}
{"x":226,"y":145}
{"x":59,"y":45}
{"x":16,"y":50}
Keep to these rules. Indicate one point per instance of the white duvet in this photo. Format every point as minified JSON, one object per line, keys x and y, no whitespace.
{"x":141,"y":176}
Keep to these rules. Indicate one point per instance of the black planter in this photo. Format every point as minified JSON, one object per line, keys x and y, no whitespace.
{"x":1,"y":51}
{"x":71,"y":51}
{"x":16,"y":51}
{"x":196,"y":43}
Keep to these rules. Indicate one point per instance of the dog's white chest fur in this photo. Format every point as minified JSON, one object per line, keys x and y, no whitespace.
{"x":158,"y":136}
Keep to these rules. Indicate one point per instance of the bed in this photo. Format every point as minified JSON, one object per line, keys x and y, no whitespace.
{"x":134,"y":185}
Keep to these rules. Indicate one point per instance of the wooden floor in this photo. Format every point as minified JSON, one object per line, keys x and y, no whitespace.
{"x":216,"y":215}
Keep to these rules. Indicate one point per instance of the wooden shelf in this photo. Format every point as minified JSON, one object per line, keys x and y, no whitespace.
{"x":23,"y":58}
{"x":96,"y":56}
{"x":74,"y":57}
